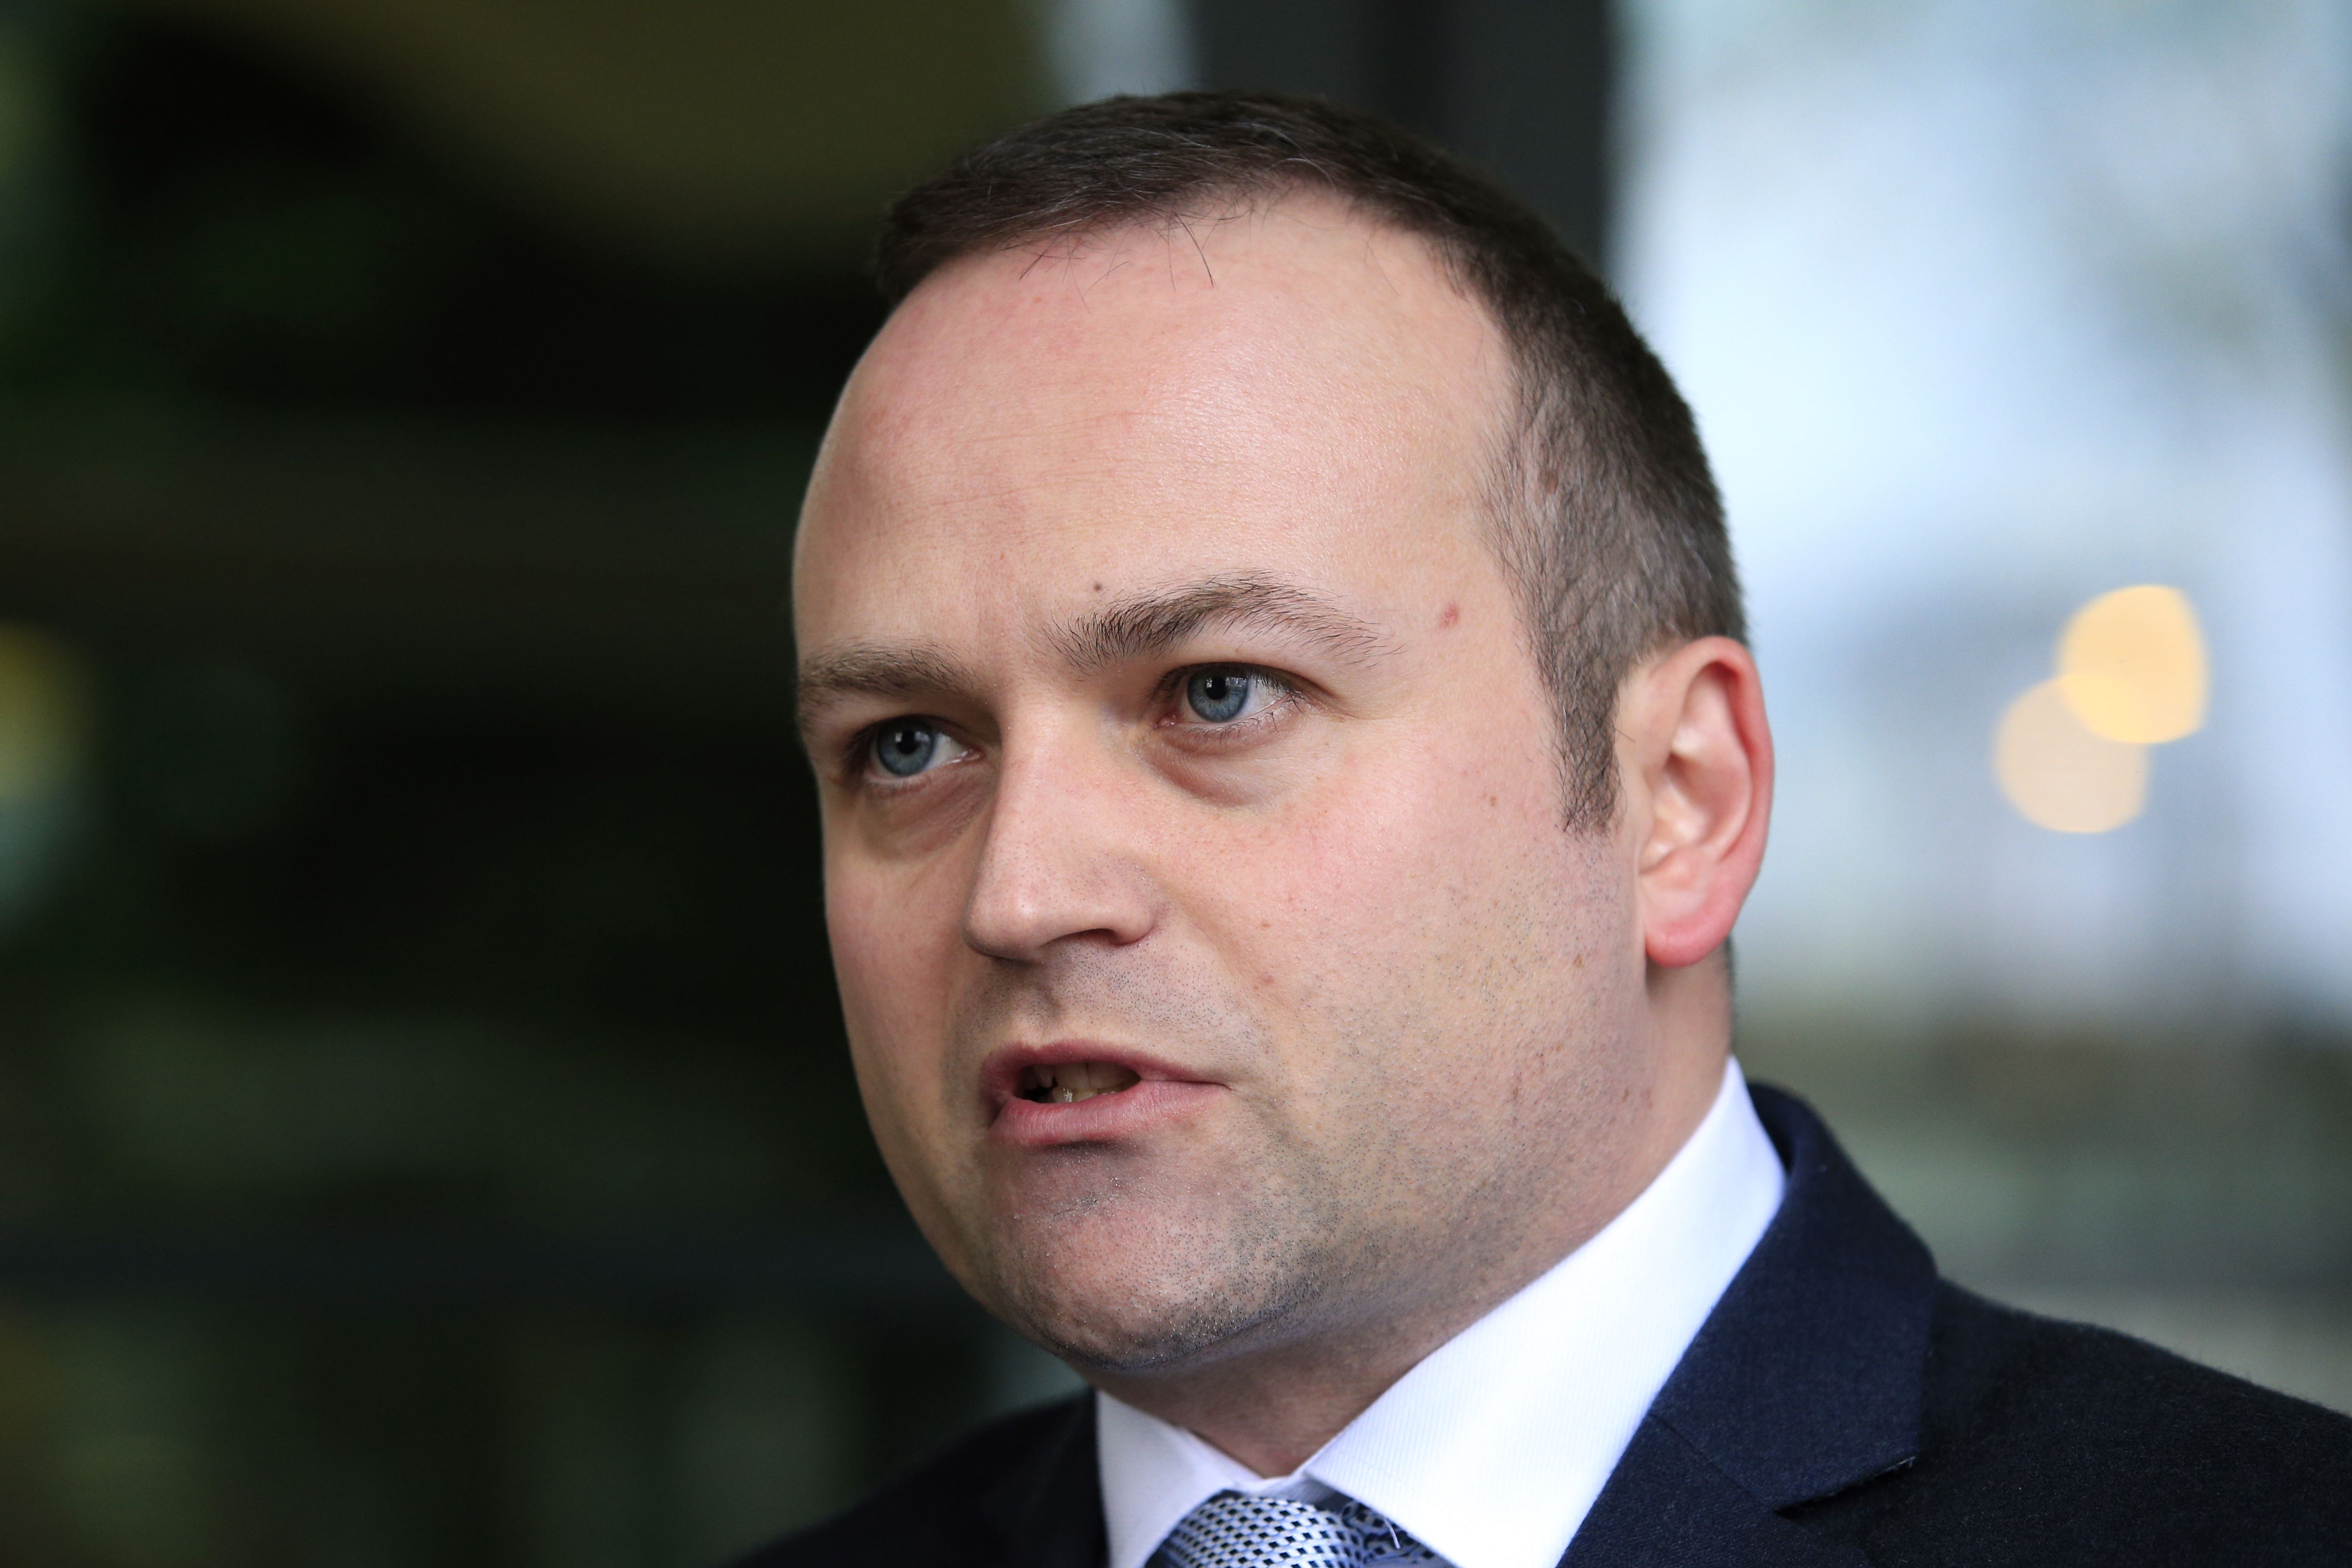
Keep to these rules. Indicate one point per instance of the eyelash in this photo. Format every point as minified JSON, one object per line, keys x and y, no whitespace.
{"x":858,"y":761}
{"x":858,"y":766}
{"x":1199,"y":731}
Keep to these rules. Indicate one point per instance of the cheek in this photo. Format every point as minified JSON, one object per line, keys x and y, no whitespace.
{"x":894,"y":938}
{"x":1381,"y":886}
{"x":1361,"y":928}
{"x":1430,"y":944}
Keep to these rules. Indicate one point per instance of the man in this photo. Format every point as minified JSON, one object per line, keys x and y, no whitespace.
{"x":1289,"y":771}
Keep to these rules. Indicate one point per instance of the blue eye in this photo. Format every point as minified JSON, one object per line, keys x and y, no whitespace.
{"x":905,"y":747}
{"x":1219,"y":696}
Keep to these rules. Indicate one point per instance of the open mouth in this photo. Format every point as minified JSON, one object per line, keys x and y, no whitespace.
{"x":1066,"y":1083}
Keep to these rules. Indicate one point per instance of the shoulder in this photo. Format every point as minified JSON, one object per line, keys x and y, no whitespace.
{"x":944,"y":1513}
{"x":2047,"y":1442}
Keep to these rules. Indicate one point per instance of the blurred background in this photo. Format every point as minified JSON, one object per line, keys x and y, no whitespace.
{"x":424,"y":1132}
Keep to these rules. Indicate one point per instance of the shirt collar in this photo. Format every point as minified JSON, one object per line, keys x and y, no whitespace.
{"x":1492,"y":1449}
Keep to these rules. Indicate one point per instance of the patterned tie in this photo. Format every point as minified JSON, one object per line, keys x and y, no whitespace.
{"x":1234,"y":1531}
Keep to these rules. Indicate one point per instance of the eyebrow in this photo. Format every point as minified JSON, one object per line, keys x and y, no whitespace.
{"x":1148,"y":623}
{"x":1124,"y":631}
{"x":866,"y":669}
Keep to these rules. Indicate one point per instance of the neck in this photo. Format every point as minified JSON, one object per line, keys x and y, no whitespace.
{"x":1274,"y":1403}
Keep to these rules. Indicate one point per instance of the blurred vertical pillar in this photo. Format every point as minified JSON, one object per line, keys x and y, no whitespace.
{"x":1521,"y":87}
{"x":1099,"y":47}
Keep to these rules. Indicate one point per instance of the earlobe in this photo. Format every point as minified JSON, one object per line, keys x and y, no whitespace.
{"x":1697,"y":759}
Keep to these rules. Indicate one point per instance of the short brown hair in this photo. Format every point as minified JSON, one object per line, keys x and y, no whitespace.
{"x":1607,"y":520}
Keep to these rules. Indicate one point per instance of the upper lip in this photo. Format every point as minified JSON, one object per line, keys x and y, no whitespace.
{"x":1000,"y":1074}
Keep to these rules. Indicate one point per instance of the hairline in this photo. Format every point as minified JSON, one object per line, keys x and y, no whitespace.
{"x":1512,"y":422}
{"x":1515,"y":422}
{"x":1541,"y":418}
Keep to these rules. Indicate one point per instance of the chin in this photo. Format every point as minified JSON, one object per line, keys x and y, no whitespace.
{"x":1139,"y":1298}
{"x":1120,"y":1334}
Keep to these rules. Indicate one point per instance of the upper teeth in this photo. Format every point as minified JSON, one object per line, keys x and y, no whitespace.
{"x":1066,"y":1083}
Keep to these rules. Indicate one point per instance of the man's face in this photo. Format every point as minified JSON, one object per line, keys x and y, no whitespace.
{"x":1215,"y":964}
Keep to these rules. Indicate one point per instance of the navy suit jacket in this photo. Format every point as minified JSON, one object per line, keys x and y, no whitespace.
{"x":1841,"y":1406}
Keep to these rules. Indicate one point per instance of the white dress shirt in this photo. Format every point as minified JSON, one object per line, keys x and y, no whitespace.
{"x":1492,"y":1450}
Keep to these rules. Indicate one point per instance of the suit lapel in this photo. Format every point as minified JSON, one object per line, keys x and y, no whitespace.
{"x":1050,"y":1515}
{"x":1805,"y":1381}
{"x":1667,"y":1503}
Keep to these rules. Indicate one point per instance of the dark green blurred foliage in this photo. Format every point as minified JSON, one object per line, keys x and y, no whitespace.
{"x":247,"y":227}
{"x":425,"y":1133}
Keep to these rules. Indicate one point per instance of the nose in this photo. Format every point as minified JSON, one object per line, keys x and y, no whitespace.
{"x":1060,"y":860}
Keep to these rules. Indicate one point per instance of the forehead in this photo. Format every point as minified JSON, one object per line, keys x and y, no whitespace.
{"x":1290,"y":389}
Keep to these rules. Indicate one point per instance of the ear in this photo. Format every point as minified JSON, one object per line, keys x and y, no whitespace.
{"x":1695,"y":758}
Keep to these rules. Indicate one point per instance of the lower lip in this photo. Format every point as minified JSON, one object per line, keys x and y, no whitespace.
{"x":1036,"y":1124}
